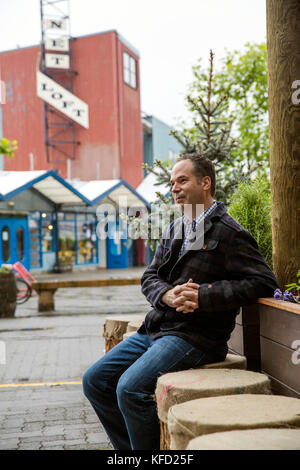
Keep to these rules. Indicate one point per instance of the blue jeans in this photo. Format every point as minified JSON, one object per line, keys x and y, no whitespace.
{"x":120,"y":386}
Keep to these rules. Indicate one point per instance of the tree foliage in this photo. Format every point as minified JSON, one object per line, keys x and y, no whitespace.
{"x":250,"y":205}
{"x":230,"y":126}
{"x":240,"y":89}
{"x":8,"y":147}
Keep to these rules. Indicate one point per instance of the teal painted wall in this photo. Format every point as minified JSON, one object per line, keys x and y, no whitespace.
{"x":160,"y":143}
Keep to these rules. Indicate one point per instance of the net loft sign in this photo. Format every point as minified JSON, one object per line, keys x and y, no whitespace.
{"x":57,"y":61}
{"x":58,"y":43}
{"x":62,"y":99}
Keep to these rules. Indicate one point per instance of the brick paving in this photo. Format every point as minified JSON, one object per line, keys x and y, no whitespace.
{"x":57,"y":347}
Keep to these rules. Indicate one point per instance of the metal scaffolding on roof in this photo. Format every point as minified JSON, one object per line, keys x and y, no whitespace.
{"x":56,"y":63}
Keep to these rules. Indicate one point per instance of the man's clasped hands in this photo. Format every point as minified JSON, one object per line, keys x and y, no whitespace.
{"x":183,"y":297}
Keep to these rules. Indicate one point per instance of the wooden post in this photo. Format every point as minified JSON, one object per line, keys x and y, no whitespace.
{"x":46,"y":300}
{"x":283,"y":45}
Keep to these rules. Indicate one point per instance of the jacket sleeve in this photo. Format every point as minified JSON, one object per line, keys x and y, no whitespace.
{"x":153,"y":287}
{"x":249,"y":277}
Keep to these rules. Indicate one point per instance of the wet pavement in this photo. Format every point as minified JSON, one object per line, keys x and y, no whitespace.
{"x":41,"y":401}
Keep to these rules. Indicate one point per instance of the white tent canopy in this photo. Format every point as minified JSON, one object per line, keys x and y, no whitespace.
{"x":48,"y":183}
{"x":105,"y":191}
{"x":148,"y":188}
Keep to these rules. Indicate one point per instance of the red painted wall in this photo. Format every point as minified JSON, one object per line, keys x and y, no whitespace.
{"x":22,"y":115}
{"x":114,"y":138}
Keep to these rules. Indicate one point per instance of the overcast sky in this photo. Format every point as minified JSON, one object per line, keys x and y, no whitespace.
{"x":170,"y":35}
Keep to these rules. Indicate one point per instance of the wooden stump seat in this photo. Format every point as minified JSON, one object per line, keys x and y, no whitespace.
{"x":115,"y":327}
{"x":250,"y":439}
{"x":179,"y":387}
{"x":191,"y":419}
{"x":132,"y":327}
{"x":126,"y":335}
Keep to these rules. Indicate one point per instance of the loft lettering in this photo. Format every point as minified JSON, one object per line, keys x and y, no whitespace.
{"x":62,"y":99}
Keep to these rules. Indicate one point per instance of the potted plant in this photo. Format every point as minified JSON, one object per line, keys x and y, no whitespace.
{"x":292,"y":292}
{"x":8,"y":292}
{"x":65,"y":262}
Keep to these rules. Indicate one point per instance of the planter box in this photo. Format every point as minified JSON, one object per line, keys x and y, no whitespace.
{"x":268,"y":334}
{"x":244,"y":339}
{"x":63,"y":268}
{"x":8,"y":295}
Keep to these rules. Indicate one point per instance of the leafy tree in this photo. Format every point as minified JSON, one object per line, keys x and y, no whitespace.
{"x":243,"y":78}
{"x":232,"y":101}
{"x":7,"y":147}
{"x":241,"y":87}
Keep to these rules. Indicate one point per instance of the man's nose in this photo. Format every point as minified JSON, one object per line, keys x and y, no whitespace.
{"x":175,"y":188}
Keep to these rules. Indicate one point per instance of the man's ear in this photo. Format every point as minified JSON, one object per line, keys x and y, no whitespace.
{"x":206,"y":183}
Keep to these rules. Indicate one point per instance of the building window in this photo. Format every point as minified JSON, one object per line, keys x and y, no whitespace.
{"x":86,"y":238}
{"x":20,"y":244}
{"x":129,"y":67}
{"x":35,"y":240}
{"x":5,"y":244}
{"x":67,"y":240}
{"x":47,"y":233}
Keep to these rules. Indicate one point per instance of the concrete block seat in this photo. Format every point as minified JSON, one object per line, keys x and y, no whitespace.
{"x":250,"y":439}
{"x":179,"y":387}
{"x":232,"y":361}
{"x":116,"y":326}
{"x":231,"y":412}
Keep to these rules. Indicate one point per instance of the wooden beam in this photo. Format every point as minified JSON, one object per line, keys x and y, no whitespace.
{"x":283,"y":46}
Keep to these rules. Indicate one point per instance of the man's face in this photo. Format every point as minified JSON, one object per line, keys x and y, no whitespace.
{"x":186,"y":188}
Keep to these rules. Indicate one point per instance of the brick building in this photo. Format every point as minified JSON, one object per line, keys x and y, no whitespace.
{"x":105,"y":77}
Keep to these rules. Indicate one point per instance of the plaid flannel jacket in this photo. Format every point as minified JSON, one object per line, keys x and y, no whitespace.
{"x":231,"y":273}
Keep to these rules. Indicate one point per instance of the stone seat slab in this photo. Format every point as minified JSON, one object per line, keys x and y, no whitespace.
{"x":251,"y":439}
{"x":230,"y":412}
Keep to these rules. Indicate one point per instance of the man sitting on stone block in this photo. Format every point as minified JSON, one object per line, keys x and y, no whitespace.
{"x":205,"y":267}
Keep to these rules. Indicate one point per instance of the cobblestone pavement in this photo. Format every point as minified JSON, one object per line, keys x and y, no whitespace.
{"x":59,"y":347}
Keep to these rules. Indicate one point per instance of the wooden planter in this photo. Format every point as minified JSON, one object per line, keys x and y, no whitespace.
{"x":268,"y":334}
{"x":8,"y":295}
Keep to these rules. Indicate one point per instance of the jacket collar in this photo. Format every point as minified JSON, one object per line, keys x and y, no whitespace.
{"x":178,"y":228}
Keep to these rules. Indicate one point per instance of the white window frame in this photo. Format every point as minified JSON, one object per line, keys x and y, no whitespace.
{"x":129,"y":70}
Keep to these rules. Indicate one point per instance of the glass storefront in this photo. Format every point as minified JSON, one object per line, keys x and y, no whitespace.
{"x":67,"y":239}
{"x":86,"y":239}
{"x":77,"y":239}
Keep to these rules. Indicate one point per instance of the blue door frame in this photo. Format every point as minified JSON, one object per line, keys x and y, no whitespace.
{"x":116,"y":252}
{"x":14,"y":241}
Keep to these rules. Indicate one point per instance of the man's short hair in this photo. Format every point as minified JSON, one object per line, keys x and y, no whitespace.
{"x":203,"y":166}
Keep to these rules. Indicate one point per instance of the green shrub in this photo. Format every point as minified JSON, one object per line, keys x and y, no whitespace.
{"x":250,"y":205}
